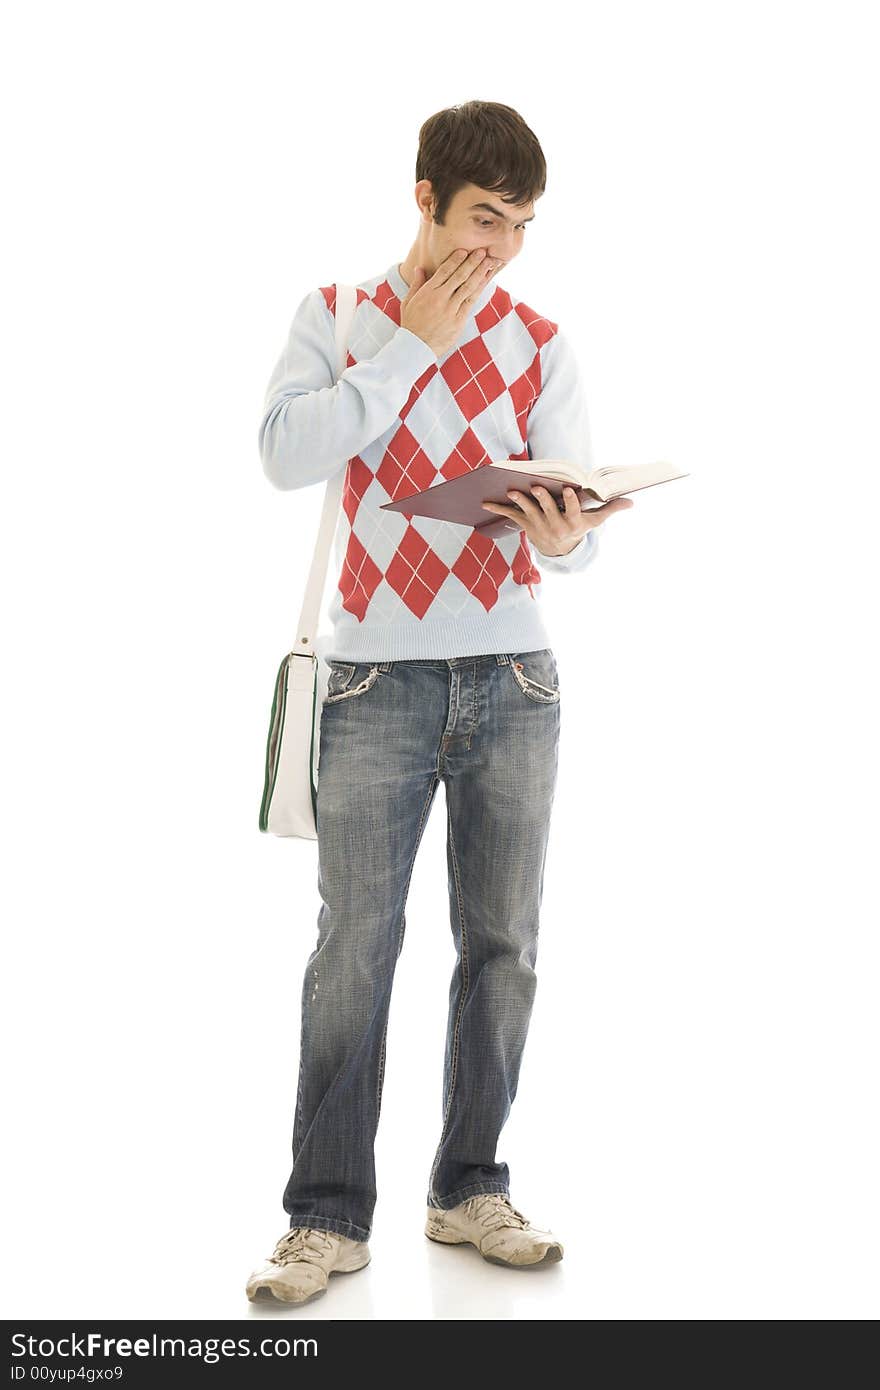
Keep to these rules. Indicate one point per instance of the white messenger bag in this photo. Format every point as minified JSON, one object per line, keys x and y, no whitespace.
{"x":290,"y":788}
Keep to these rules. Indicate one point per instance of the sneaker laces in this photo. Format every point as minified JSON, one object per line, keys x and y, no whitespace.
{"x":493,"y":1210}
{"x":298,"y":1244}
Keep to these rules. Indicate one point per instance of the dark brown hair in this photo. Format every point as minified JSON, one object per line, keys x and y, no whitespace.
{"x":484,"y":143}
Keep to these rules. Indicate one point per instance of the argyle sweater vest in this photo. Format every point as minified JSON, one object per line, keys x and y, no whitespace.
{"x":400,"y":419}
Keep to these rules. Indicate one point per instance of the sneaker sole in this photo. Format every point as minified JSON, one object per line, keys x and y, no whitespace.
{"x":265,"y":1292}
{"x":551,"y":1256}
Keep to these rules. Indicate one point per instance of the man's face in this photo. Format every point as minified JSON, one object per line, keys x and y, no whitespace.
{"x":477,"y":218}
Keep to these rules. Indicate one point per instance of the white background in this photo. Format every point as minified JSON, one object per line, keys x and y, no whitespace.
{"x":697,"y":1113}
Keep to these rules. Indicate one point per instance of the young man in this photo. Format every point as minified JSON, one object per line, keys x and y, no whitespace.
{"x":440,"y":670}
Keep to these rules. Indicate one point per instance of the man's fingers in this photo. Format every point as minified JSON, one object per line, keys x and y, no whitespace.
{"x":524,"y":501}
{"x":455,"y":269}
{"x":460,"y":277}
{"x":448,"y":267}
{"x":549,"y":504}
{"x":617,"y":504}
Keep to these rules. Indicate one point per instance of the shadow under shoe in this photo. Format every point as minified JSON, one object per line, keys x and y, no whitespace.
{"x":301,"y":1264}
{"x":500,"y":1232}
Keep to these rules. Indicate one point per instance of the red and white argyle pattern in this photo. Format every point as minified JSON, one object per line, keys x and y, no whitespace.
{"x":484,"y":389}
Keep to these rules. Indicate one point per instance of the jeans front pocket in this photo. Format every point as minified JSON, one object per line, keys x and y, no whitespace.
{"x":536,"y":675}
{"x":348,"y":679}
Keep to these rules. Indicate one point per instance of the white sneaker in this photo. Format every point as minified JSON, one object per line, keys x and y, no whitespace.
{"x":303,"y":1261}
{"x":500,"y":1232}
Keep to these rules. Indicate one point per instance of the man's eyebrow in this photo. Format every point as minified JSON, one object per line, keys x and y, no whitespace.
{"x":496,"y":212}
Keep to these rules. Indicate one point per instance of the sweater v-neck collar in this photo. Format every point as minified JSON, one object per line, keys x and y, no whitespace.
{"x":401,"y":288}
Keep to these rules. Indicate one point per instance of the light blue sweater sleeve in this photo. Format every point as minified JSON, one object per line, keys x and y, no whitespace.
{"x":558,"y":427}
{"x":311,"y":424}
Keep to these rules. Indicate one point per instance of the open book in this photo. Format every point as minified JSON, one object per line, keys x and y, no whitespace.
{"x":461,"y":499}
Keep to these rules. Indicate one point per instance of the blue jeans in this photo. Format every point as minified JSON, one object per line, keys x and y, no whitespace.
{"x":488,"y":726}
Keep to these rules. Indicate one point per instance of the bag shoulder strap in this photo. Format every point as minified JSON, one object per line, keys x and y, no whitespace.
{"x":304,"y":644}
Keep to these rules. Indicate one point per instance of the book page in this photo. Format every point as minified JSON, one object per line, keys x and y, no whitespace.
{"x":611,"y":482}
{"x":561,"y":469}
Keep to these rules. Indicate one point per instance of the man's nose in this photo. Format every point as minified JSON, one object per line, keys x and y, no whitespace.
{"x":504,"y":246}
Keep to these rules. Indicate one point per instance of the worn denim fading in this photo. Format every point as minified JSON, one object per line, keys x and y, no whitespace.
{"x":488,"y":726}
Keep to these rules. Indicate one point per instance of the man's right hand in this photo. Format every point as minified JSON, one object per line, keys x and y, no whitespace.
{"x":436,"y":310}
